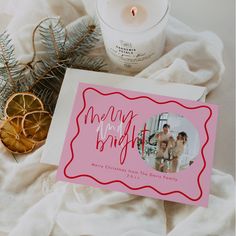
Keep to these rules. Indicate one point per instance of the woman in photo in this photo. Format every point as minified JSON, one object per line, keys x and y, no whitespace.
{"x":178,"y":149}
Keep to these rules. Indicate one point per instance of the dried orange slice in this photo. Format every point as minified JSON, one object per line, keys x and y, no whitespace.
{"x":36,"y":125}
{"x":13,"y":138}
{"x":21,"y":103}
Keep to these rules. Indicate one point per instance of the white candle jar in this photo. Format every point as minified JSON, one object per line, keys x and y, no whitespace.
{"x":133,"y":31}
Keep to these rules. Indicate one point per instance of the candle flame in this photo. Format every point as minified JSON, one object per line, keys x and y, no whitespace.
{"x":134,"y":11}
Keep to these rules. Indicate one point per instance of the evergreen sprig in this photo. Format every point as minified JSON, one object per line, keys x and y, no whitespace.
{"x":53,"y":35}
{"x":10,"y":72}
{"x":43,"y":75}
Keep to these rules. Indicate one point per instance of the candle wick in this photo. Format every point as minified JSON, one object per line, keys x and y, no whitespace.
{"x":134,"y":11}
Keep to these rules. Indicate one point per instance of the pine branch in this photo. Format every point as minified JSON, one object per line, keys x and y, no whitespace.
{"x":9,"y":67}
{"x":10,"y":71}
{"x":48,"y":77}
{"x":53,"y":35}
{"x":48,"y":96}
{"x":36,"y":29}
{"x":5,"y":92}
{"x":88,"y":63}
{"x":63,"y":52}
{"x":82,"y":36}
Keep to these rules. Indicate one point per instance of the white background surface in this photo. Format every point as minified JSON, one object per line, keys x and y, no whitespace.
{"x":217,"y":16}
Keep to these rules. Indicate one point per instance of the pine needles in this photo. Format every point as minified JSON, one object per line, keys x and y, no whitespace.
{"x":9,"y":69}
{"x":43,"y":75}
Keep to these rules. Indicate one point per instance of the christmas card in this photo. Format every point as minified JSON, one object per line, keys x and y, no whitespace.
{"x":140,"y":143}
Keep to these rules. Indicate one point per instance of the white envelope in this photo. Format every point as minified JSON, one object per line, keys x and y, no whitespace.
{"x":55,"y":140}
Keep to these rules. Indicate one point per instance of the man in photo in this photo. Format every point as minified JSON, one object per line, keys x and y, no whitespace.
{"x":165,"y":134}
{"x":162,"y":147}
{"x":161,"y":156}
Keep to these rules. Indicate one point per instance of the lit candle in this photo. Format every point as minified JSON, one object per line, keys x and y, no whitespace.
{"x":133,"y":31}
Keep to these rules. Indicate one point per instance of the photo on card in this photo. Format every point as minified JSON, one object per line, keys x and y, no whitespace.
{"x":170,"y":144}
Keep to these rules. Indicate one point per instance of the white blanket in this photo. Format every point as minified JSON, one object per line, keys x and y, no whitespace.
{"x":32,"y":203}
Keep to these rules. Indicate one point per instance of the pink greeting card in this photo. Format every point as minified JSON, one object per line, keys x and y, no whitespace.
{"x":140,"y":143}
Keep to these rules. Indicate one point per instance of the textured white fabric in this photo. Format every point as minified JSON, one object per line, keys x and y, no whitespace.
{"x":32,"y":203}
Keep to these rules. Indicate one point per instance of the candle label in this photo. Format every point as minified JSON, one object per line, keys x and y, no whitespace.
{"x":140,"y":143}
{"x":130,"y":56}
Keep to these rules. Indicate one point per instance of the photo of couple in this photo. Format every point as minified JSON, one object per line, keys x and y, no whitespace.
{"x":171,"y":145}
